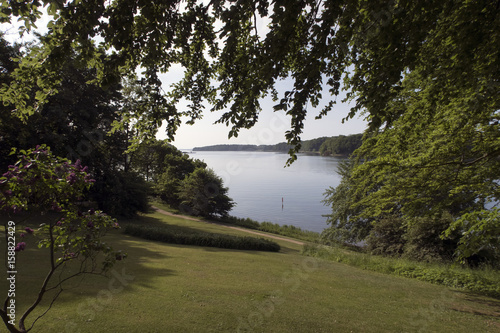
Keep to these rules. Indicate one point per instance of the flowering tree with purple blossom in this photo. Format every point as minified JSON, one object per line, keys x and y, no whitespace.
{"x":51,"y":187}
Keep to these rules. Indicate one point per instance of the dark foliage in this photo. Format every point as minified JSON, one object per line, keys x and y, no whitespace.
{"x":75,"y":123}
{"x":386,"y":237}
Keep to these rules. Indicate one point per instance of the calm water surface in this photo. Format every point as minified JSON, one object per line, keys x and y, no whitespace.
{"x":264,"y":190}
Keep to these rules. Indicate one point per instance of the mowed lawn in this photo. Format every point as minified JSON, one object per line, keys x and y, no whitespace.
{"x":173,"y":288}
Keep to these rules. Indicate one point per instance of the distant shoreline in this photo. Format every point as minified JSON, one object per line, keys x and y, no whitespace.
{"x":308,"y":153}
{"x":340,"y":146}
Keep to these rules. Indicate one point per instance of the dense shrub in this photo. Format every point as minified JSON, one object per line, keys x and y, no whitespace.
{"x":121,"y":193}
{"x":386,"y":237}
{"x":424,"y":239}
{"x":420,"y":239}
{"x":163,"y":234}
{"x":479,"y":240}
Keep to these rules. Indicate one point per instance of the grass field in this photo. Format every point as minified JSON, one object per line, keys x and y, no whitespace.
{"x":173,"y":288}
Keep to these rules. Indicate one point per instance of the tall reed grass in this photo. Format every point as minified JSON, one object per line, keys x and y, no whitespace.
{"x":284,"y":230}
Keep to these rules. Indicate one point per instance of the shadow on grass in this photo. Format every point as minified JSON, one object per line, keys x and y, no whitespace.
{"x":33,"y":265}
{"x":487,"y":306}
{"x":490,"y":301}
{"x":156,"y":222}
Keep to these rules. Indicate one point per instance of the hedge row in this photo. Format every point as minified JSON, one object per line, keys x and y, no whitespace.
{"x":163,"y":234}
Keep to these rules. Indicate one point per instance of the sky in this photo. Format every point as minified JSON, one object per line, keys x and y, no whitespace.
{"x":270,"y":129}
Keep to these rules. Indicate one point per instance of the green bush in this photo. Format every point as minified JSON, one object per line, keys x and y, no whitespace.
{"x":121,"y":193}
{"x":424,"y":241}
{"x":479,"y":241}
{"x":386,"y":236}
{"x":165,"y":235}
{"x":202,"y":194}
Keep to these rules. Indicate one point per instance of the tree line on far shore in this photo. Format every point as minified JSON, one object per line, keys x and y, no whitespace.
{"x":343,"y":145}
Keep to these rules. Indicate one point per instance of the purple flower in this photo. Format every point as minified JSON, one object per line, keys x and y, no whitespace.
{"x":91,"y":211}
{"x":20,"y":246}
{"x":116,"y":225}
{"x":8,"y":193}
{"x":29,"y":230}
{"x":59,"y":223}
{"x":71,"y":178}
{"x":88,"y":179}
{"x":22,"y":235}
{"x":90,"y":224}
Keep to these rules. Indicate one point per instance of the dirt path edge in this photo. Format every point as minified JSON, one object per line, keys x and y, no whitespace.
{"x":164,"y":212}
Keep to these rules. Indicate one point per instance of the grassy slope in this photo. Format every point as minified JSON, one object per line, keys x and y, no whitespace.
{"x":194,"y":289}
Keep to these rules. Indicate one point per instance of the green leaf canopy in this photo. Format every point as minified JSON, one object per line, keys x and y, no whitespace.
{"x":367,"y":47}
